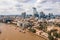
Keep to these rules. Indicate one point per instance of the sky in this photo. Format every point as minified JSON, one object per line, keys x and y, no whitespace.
{"x":16,"y":7}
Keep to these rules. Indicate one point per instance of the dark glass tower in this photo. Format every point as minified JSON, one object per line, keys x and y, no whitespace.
{"x":42,"y":15}
{"x":35,"y":12}
{"x":23,"y":15}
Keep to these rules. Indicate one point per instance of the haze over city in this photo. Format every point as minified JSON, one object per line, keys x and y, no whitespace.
{"x":15,"y":7}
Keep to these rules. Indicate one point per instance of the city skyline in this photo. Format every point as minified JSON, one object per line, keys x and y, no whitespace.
{"x":14,"y":7}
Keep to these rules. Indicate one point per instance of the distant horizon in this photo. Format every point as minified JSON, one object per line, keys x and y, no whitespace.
{"x":30,"y":14}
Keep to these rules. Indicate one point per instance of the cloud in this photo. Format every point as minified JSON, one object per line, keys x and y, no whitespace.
{"x":41,"y":1}
{"x":18,"y":6}
{"x":23,"y":1}
{"x":26,"y":1}
{"x":48,"y":6}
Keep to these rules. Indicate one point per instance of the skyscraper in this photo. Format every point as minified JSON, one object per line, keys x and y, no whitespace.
{"x":51,"y":15}
{"x":23,"y":15}
{"x":41,"y":15}
{"x":35,"y":12}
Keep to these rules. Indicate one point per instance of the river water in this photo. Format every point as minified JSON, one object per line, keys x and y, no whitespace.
{"x":9,"y":33}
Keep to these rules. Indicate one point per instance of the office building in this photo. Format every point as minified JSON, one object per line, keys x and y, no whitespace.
{"x":41,"y":15}
{"x":23,"y":15}
{"x":35,"y":13}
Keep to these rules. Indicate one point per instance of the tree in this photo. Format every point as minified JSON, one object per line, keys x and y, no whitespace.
{"x":33,"y":30}
{"x":40,"y":27}
{"x":49,"y":33}
{"x":58,"y":35}
{"x":58,"y":24}
{"x":51,"y":37}
{"x":43,"y":26}
{"x":55,"y":34}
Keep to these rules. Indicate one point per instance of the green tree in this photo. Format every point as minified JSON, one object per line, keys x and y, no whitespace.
{"x":43,"y":26}
{"x":33,"y":30}
{"x":49,"y":33}
{"x":51,"y":37}
{"x":55,"y":34}
{"x":59,"y":35}
{"x":58,"y":24}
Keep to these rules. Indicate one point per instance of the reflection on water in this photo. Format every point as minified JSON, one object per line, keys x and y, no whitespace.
{"x":9,"y":33}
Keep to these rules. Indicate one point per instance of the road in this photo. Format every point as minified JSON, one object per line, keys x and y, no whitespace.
{"x":9,"y":33}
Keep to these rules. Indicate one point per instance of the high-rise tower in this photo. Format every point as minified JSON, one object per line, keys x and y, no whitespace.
{"x":23,"y":15}
{"x":35,"y":13}
{"x":42,"y":15}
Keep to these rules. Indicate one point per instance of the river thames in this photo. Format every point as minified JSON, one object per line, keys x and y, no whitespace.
{"x":8,"y":32}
